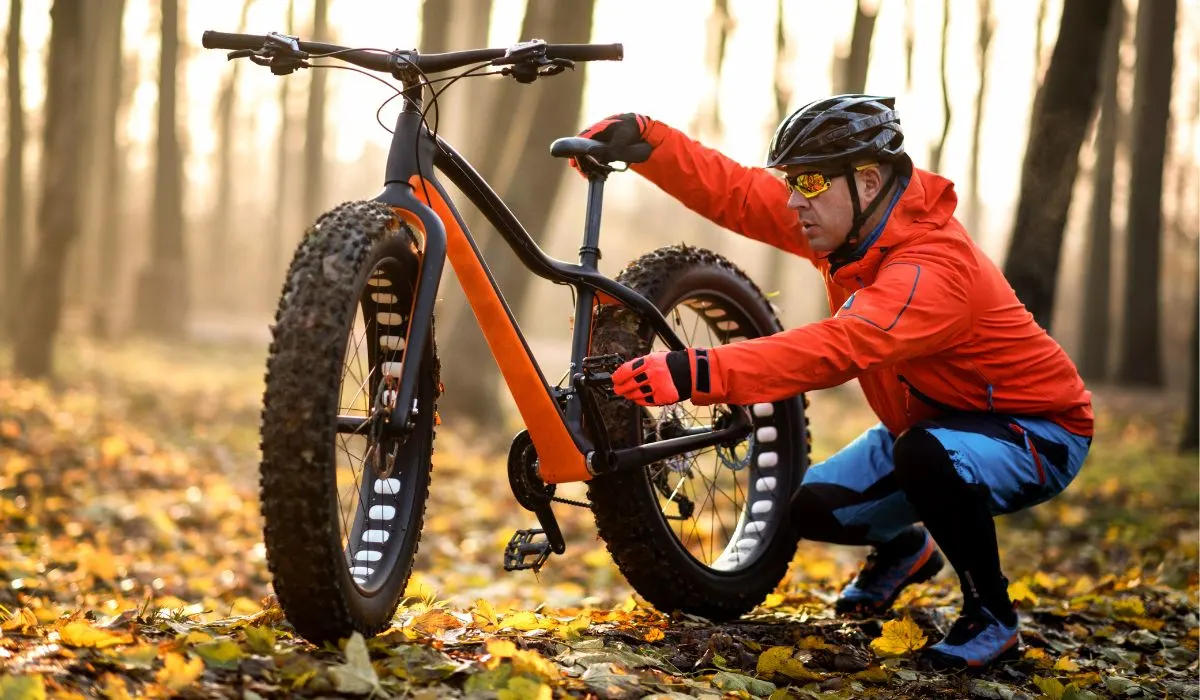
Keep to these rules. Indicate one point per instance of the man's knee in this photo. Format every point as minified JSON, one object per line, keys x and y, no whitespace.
{"x":924,"y":467}
{"x":813,"y":519}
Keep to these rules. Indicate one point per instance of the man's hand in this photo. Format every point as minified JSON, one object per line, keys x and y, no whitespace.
{"x":663,"y":378}
{"x":619,"y":130}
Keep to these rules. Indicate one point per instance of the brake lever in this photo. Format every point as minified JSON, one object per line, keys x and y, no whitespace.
{"x":281,"y":53}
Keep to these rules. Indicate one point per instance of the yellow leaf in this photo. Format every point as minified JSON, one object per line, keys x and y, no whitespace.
{"x":260,"y":639}
{"x":524,"y":689}
{"x":501,"y":648}
{"x":79,"y":633}
{"x":1129,"y":606}
{"x":1043,"y":581}
{"x":1020,"y":590}
{"x":435,"y":621}
{"x":1149,"y":623}
{"x":814,"y":642}
{"x":774,"y":600}
{"x":197,"y":637}
{"x":1064,"y":663}
{"x":532,"y":663}
{"x":899,"y":637}
{"x":573,"y":627}
{"x":10,"y":429}
{"x":629,"y":605}
{"x":523,"y":621}
{"x":113,"y":448}
{"x":140,"y":656}
{"x":779,"y":661}
{"x":22,"y":688}
{"x":114,"y":688}
{"x":221,"y":652}
{"x":484,"y":615}
{"x":1037,"y":654}
{"x":177,"y":672}
{"x":653,"y":634}
{"x":875,"y":674}
{"x":21,"y":622}
{"x":1050,"y":687}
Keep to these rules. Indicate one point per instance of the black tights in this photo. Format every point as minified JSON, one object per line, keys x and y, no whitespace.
{"x":957,"y":515}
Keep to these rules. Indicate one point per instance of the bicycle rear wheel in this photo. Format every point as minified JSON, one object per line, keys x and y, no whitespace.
{"x":343,"y":510}
{"x":706,"y":532}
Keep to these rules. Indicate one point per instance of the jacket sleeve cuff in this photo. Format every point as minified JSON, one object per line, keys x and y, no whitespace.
{"x":708,"y":385}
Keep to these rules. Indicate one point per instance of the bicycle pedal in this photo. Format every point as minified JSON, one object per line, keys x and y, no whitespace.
{"x":528,"y":549}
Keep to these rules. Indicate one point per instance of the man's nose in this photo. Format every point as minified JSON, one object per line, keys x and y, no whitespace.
{"x":797,"y":201}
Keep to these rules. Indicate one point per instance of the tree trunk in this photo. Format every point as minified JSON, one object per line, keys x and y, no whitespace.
{"x":854,"y":69}
{"x":1191,"y":420}
{"x":283,"y":219}
{"x":910,"y":40}
{"x":104,"y":169}
{"x":528,"y":179}
{"x":1060,"y":120}
{"x":707,"y":124}
{"x":58,"y":215}
{"x":935,"y":152}
{"x":1038,"y":38}
{"x":314,"y":131}
{"x":220,"y":257}
{"x":1097,"y":275}
{"x":778,"y":262}
{"x":1140,"y":361}
{"x":14,"y":178}
{"x":974,"y":215}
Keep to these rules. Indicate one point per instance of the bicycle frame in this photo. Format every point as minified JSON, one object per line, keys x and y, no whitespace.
{"x":413,"y":191}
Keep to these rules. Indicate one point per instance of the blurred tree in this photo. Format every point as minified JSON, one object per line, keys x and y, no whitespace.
{"x":1140,"y":362}
{"x":1038,"y":38}
{"x":283,"y":220}
{"x":779,"y":262}
{"x":1097,"y":275}
{"x":104,"y":165}
{"x":453,"y":25}
{"x":852,"y":70}
{"x":910,"y":40}
{"x":935,"y":151}
{"x":516,"y":161}
{"x":1062,"y":110}
{"x":1191,"y":420}
{"x":974,"y":219}
{"x":162,"y":302}
{"x":314,"y":130}
{"x":217,"y":275}
{"x":14,"y":177}
{"x":707,"y":122}
{"x":58,"y":216}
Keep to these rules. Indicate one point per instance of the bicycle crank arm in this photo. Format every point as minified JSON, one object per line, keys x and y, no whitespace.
{"x":695,"y":439}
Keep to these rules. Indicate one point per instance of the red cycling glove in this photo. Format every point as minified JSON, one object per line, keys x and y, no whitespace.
{"x":667,"y":377}
{"x":619,"y":130}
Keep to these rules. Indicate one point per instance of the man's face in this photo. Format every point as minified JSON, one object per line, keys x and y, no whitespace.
{"x":826,"y":217}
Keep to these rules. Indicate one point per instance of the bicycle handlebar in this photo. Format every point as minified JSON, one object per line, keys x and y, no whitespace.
{"x":428,"y":63}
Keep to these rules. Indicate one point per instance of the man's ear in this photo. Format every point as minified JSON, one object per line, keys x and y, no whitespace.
{"x":870,"y":182}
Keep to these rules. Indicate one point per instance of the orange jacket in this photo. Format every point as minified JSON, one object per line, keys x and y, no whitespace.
{"x":924,"y":320}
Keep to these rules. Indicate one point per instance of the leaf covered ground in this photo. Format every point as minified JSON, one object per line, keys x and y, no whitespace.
{"x":131,"y":564}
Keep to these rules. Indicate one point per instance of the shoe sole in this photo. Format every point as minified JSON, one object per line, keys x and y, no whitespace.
{"x":928,"y":570}
{"x":937,"y":661}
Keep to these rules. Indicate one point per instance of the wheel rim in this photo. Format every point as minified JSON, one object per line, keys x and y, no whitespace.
{"x":374,"y":502}
{"x":722,"y":504}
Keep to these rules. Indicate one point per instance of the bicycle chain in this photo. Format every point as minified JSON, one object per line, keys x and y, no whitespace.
{"x":569,"y":502}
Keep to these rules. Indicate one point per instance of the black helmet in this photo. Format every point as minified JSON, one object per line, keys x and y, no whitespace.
{"x":838,"y":131}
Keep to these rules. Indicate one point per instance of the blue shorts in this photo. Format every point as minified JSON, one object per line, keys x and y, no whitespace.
{"x":1022,"y":462}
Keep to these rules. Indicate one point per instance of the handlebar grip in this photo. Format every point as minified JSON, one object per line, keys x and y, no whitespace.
{"x":586,"y":52}
{"x":232,"y":42}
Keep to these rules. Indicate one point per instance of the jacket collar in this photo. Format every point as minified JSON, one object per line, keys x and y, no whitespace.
{"x":926,"y":202}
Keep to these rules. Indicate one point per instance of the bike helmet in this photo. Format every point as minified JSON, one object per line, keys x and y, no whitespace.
{"x":837,"y":131}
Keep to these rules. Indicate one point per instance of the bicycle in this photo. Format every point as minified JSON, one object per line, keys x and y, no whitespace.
{"x":349,"y":409}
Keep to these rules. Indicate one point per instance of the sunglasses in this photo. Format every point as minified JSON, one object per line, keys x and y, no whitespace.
{"x":814,"y":182}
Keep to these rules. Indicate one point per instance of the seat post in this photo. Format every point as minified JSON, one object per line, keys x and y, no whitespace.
{"x":589,"y":252}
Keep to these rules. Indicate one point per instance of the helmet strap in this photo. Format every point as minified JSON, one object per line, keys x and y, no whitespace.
{"x":846,"y":250}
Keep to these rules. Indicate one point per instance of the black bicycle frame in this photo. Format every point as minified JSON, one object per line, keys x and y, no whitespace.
{"x":415,"y":151}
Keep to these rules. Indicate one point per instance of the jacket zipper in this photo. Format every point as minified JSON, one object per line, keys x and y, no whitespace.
{"x":1037,"y":458}
{"x":924,"y":397}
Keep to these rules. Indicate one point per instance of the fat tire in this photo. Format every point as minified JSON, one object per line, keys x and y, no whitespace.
{"x":627,"y":513}
{"x":298,"y":482}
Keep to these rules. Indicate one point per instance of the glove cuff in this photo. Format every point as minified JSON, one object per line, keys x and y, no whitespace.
{"x":679,"y":364}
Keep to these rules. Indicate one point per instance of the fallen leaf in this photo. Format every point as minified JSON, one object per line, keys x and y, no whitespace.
{"x":21,"y":622}
{"x":1129,"y":607}
{"x":653,"y":634}
{"x":773,"y":600}
{"x":523,"y":621}
{"x":80,"y":633}
{"x":875,"y":674}
{"x":113,"y":687}
{"x":524,"y":689}
{"x":899,"y":637}
{"x":734,"y":682}
{"x":177,"y":672}
{"x":814,"y":642}
{"x":434,"y":622}
{"x":1020,"y":591}
{"x":357,"y":675}
{"x":779,"y":661}
{"x":222,"y":653}
{"x":1066,"y":664}
{"x":1050,"y":687}
{"x":22,"y":688}
{"x":260,"y":639}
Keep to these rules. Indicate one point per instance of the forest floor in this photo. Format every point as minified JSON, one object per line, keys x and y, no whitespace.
{"x":131,"y":562}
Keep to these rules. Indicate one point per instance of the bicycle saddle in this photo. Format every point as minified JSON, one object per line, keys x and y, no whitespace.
{"x":575,"y":146}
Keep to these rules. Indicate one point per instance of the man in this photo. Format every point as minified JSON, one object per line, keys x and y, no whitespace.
{"x":982,"y":413}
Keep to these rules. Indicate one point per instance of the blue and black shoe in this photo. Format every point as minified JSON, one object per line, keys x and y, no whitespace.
{"x":882,"y":578}
{"x":976,"y":639}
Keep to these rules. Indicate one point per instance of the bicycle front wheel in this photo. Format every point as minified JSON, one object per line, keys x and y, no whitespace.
{"x":343,"y":508}
{"x":705,"y":532}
